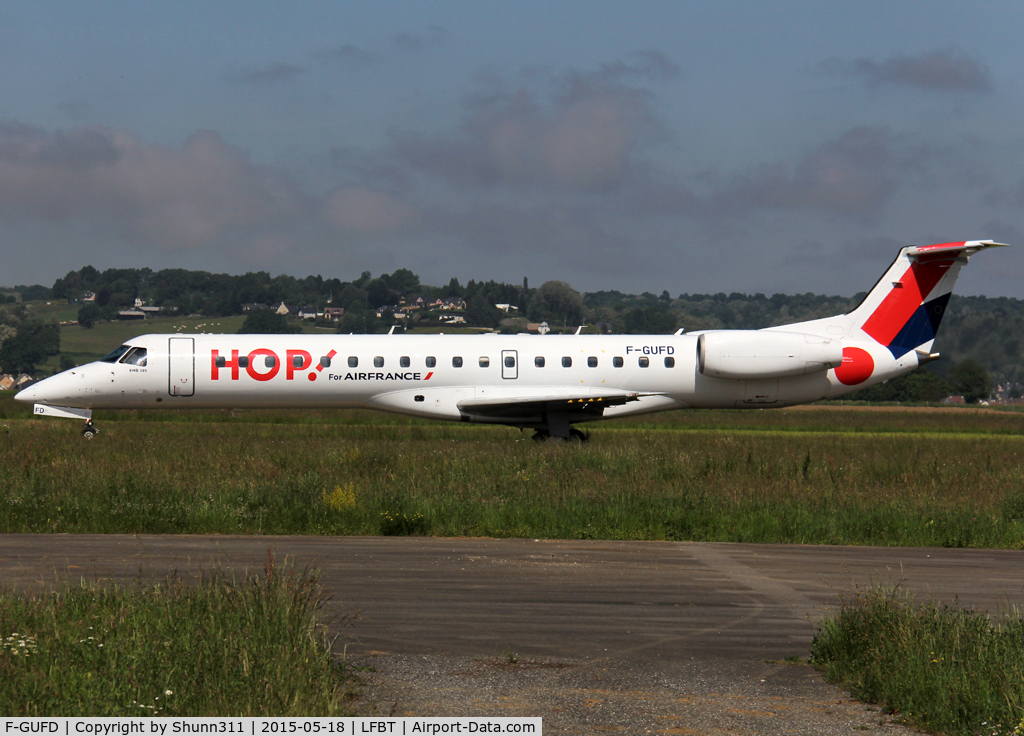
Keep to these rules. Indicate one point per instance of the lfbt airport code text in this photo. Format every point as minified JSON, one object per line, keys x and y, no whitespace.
{"x":160,"y":726}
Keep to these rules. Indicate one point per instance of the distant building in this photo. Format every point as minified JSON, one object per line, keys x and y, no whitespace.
{"x":395,"y":310}
{"x":128,"y":314}
{"x":282,"y":308}
{"x":254,"y":306}
{"x":334,"y":313}
{"x":6,"y":382}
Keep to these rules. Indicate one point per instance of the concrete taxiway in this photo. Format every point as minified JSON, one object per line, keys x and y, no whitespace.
{"x":551,"y":598}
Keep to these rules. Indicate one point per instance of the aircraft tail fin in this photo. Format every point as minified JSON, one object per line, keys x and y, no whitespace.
{"x":905,"y":307}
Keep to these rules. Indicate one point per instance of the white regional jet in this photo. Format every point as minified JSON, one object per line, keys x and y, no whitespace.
{"x":545,"y":383}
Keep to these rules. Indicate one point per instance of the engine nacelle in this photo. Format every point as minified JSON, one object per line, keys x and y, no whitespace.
{"x":745,"y":354}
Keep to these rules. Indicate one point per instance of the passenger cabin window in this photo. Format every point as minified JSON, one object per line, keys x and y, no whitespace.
{"x":325,"y":361}
{"x":567,"y":362}
{"x":220,"y":361}
{"x":484,"y":361}
{"x":510,"y":362}
{"x":378,"y":361}
{"x":645,"y":363}
{"x":353,"y":361}
{"x":617,"y":362}
{"x":404,"y":361}
{"x":431,"y":361}
{"x":270,"y":361}
{"x":243,"y":361}
{"x":113,"y":356}
{"x":592,"y":362}
{"x":297,"y":361}
{"x":539,"y":361}
{"x":670,"y":362}
{"x":457,"y":362}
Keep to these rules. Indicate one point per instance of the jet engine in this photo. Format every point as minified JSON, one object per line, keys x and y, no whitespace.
{"x":746,"y":354}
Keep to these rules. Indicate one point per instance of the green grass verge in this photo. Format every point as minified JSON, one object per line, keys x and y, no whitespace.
{"x":222,"y":647}
{"x":944,"y":670}
{"x":702,"y":476}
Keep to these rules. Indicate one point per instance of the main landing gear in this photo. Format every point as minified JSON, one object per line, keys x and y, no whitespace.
{"x":576,"y":436}
{"x":89,"y":431}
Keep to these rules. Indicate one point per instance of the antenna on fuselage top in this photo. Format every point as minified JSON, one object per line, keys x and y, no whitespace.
{"x":680,"y":331}
{"x":392,"y":330}
{"x":578,"y":329}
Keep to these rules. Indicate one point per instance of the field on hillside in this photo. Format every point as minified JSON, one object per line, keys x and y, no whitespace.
{"x":830,"y":476}
{"x":83,"y":345}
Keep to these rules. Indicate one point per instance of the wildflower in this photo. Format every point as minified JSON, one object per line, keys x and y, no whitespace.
{"x":168,"y":692}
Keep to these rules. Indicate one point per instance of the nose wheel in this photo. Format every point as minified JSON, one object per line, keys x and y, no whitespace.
{"x":89,"y":430}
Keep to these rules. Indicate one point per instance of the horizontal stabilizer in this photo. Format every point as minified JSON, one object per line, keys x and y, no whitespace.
{"x":968,"y":248}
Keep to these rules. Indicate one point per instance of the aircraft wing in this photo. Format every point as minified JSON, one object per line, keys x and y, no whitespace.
{"x":567,"y":402}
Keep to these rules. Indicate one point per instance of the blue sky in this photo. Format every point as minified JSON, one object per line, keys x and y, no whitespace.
{"x":693,"y":147}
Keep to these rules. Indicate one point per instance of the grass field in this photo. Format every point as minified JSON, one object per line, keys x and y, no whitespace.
{"x":939,"y":669}
{"x":218,"y":646}
{"x":829,"y":476}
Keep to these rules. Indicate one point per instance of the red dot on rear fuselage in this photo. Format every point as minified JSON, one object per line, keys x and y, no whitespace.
{"x":857,"y":367}
{"x":312,"y":376}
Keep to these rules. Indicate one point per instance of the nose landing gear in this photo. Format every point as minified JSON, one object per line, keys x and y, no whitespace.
{"x":89,"y":431}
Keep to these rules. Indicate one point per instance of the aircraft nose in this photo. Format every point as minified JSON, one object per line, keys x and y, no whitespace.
{"x":52,"y":389}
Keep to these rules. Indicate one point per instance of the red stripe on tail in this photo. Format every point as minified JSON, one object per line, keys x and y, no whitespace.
{"x":901,"y":303}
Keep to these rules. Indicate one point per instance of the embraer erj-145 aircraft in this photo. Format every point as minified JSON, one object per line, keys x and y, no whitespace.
{"x":545,"y":383}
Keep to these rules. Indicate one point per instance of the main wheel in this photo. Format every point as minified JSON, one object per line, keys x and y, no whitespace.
{"x":89,"y":431}
{"x":540,"y":435}
{"x":578,"y":435}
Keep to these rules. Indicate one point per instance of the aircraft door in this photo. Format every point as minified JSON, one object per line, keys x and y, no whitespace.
{"x":182,"y":366}
{"x":509,"y":364}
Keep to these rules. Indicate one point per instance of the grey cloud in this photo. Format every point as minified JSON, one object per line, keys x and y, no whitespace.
{"x":575,"y":131}
{"x":853,"y":175}
{"x":346,"y":54}
{"x":435,"y":36}
{"x":547,"y":237}
{"x":279,"y":72}
{"x":649,"y":65}
{"x":370,"y":169}
{"x":75,"y":108}
{"x":1002,"y":232}
{"x":198,"y":197}
{"x":949,"y":69}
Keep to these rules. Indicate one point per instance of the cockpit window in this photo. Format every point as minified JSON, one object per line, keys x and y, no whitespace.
{"x":113,"y":356}
{"x":135,"y":356}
